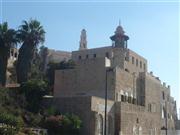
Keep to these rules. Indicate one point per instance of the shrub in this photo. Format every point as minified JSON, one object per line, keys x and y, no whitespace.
{"x":10,"y":124}
{"x":63,"y":124}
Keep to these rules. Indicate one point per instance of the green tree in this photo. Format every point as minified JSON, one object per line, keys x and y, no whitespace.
{"x":31,"y":34}
{"x":43,"y":53}
{"x":7,"y":40}
{"x":35,"y":72}
{"x":34,"y":90}
{"x":38,"y":64}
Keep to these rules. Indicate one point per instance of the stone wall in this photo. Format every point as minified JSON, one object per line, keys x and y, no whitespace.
{"x":167,"y":108}
{"x":57,"y":56}
{"x":135,"y":63}
{"x":88,"y":78}
{"x":92,"y":53}
{"x":177,"y":124}
{"x":87,"y":108}
{"x":124,"y":84}
{"x":120,"y":57}
{"x":134,"y":120}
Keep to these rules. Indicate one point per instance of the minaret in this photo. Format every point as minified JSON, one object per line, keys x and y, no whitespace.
{"x":119,"y":38}
{"x":83,"y":40}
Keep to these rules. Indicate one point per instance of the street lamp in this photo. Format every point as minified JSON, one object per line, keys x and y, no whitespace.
{"x":108,"y":69}
{"x":166,"y":117}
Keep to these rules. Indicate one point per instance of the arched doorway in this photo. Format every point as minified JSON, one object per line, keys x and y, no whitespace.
{"x":98,"y":124}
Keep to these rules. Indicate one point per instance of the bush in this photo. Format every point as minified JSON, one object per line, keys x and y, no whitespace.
{"x":32,"y":120}
{"x":50,"y":111}
{"x":63,"y":124}
{"x":10,"y":124}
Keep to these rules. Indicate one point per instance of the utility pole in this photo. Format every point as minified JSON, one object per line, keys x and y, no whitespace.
{"x":105,"y":111}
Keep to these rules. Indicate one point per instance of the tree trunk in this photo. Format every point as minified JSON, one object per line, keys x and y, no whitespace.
{"x":4,"y":55}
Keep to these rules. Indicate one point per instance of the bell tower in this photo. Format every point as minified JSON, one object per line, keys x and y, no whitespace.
{"x":119,"y":39}
{"x":83,"y":40}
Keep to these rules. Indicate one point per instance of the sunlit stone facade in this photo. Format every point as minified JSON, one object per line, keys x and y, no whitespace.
{"x":138,"y":102}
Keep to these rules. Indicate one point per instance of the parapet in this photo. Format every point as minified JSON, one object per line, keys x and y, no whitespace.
{"x":166,"y":86}
{"x":153,"y":76}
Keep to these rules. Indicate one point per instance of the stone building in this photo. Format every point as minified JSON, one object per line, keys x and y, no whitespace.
{"x":57,"y":56}
{"x":13,"y":55}
{"x":137,"y":102}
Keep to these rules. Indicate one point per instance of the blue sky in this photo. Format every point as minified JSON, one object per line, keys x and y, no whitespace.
{"x":153,"y":28}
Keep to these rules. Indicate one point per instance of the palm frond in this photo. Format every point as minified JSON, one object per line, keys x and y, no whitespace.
{"x":31,"y":31}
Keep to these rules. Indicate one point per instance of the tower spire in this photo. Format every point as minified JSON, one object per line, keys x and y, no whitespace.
{"x":119,"y":22}
{"x":83,"y":40}
{"x":119,"y":38}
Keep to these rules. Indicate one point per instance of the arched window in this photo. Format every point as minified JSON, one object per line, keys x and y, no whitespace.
{"x":135,"y":130}
{"x":163,"y":112}
{"x":12,"y":53}
{"x":140,"y":130}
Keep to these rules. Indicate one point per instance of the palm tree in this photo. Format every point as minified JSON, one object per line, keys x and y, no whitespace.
{"x":30,"y":34}
{"x":7,"y":40}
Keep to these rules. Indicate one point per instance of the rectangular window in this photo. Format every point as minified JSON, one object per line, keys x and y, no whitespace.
{"x":79,"y":57}
{"x":15,"y":55}
{"x":144,"y":66}
{"x":122,"y":98}
{"x":132,"y":60}
{"x":136,"y":62}
{"x":149,"y":107}
{"x":94,"y":55}
{"x":163,"y":95}
{"x":126,"y":58}
{"x":140,"y":64}
{"x":87,"y":56}
{"x":129,"y":100}
{"x":107,"y":54}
